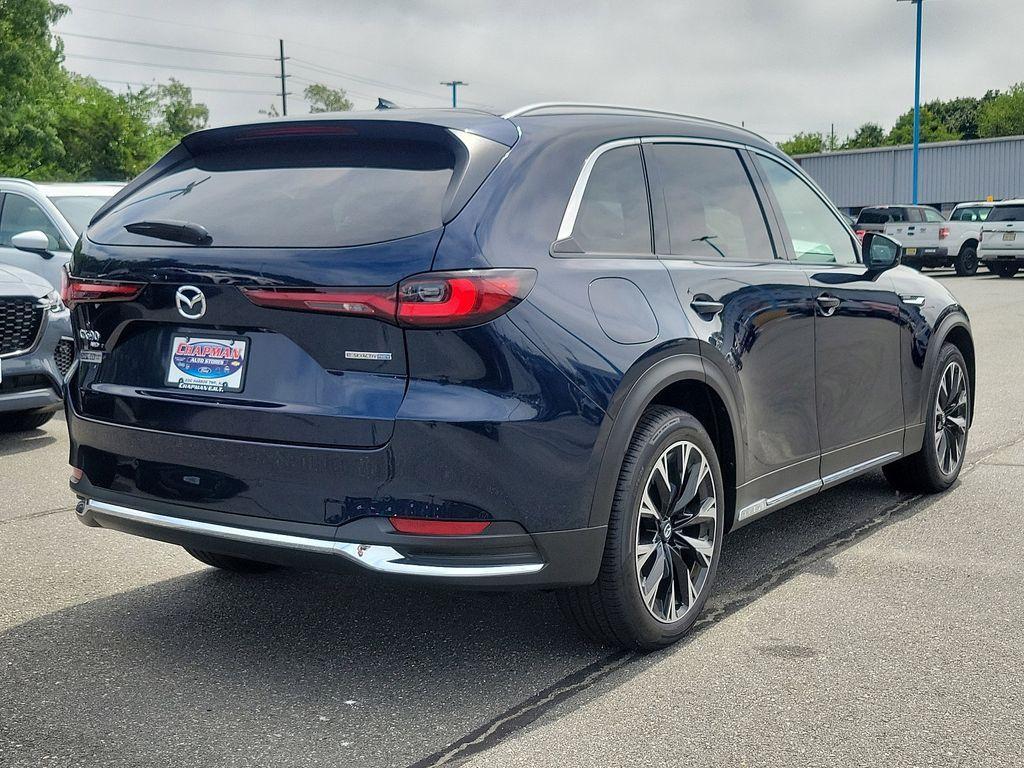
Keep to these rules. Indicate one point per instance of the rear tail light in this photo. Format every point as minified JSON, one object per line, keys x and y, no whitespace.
{"x":74,"y":290}
{"x":943,"y":233}
{"x":368,"y":302}
{"x":430,"y":300}
{"x":438,"y":527}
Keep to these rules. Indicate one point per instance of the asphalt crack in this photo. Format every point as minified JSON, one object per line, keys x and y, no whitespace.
{"x":530,"y":710}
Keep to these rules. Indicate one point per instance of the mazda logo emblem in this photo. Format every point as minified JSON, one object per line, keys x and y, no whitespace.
{"x":191,"y":302}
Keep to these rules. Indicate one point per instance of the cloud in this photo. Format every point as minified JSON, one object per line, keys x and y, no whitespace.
{"x":780,"y":66}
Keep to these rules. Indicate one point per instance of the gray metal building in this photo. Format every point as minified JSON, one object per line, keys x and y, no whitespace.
{"x":950,"y":172}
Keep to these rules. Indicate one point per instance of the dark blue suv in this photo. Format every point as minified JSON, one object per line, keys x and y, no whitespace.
{"x":570,"y":347}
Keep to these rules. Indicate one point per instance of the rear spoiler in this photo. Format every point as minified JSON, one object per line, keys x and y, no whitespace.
{"x":476,"y":151}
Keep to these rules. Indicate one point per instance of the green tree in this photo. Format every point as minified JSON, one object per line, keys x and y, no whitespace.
{"x":30,"y":81}
{"x":321,"y":98}
{"x":868,"y":135}
{"x":803,"y":144}
{"x":932,"y":129}
{"x":176,"y":114}
{"x":1003,"y":115}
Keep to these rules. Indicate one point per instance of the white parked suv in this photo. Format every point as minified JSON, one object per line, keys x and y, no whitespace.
{"x":1002,"y":238}
{"x":40,"y":223}
{"x":934,"y":241}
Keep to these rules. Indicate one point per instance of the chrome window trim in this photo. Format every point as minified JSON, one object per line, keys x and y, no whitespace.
{"x":572,"y":208}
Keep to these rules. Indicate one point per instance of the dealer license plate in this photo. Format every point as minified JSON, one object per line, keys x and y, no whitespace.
{"x":207,"y":364}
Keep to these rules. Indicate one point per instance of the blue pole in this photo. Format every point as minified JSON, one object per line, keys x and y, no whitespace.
{"x":917,"y":98}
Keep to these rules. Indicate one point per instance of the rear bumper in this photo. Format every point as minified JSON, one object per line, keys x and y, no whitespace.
{"x":927,"y":257}
{"x":1009,"y":259}
{"x":510,"y":557}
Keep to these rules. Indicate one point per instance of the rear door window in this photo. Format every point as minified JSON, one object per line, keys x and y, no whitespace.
{"x":614,"y":214}
{"x":873,"y":216}
{"x":711,"y":209}
{"x":291,"y":194}
{"x":934,"y":216}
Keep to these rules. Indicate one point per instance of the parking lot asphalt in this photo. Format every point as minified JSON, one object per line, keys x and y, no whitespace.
{"x":856,"y":627}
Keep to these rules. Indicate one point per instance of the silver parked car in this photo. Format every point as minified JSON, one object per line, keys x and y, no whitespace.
{"x":40,"y":223}
{"x":36,"y":350}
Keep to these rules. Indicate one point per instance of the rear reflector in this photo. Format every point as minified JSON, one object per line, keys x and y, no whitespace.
{"x":438,"y":527}
{"x":431,"y":300}
{"x":76,"y":474}
{"x":74,"y":290}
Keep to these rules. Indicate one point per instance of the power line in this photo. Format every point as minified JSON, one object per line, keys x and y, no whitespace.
{"x":170,"y":66}
{"x":314,"y":67}
{"x":209,"y":51}
{"x":191,"y":87}
{"x":205,"y":28}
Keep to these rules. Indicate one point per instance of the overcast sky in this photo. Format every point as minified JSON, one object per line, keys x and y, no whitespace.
{"x":780,"y":66}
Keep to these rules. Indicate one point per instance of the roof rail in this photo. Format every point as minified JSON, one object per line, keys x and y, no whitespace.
{"x":543,"y":105}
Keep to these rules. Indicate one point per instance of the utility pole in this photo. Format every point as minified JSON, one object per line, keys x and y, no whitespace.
{"x":284,"y":93}
{"x":454,"y":85}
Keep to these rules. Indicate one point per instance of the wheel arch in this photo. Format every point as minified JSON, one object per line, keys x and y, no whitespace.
{"x":681,"y":381}
{"x":955,"y":329}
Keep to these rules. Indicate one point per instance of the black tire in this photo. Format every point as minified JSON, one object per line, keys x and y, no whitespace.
{"x":966,"y":262}
{"x":611,"y":610}
{"x":920,"y":472}
{"x":1002,"y":270}
{"x":24,"y":421}
{"x":230,"y":562}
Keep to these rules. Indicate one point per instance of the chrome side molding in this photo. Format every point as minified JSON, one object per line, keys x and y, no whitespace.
{"x":763,"y":506}
{"x":373,"y":557}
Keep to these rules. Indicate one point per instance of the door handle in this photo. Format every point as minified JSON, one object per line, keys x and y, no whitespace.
{"x":704,"y":305}
{"x":828,"y":304}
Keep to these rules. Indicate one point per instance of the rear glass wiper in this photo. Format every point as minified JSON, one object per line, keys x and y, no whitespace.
{"x":178,"y":231}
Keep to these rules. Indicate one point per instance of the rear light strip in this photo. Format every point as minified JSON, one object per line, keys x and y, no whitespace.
{"x":456,"y":299}
{"x":75,"y":290}
{"x":430,"y":300}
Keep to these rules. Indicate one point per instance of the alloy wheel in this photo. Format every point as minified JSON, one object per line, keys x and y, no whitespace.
{"x":950,"y":418}
{"x":676,"y":532}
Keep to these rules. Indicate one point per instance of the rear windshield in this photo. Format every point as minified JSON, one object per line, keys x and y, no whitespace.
{"x":971,"y":214}
{"x":880,"y":215}
{"x":78,"y":209}
{"x":1007,"y":213}
{"x":302,"y":195}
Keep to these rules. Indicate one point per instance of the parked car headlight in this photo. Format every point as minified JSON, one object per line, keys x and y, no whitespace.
{"x":52,"y":302}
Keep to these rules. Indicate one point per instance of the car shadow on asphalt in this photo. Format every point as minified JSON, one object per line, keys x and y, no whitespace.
{"x":231,"y":662}
{"x":19,"y":442}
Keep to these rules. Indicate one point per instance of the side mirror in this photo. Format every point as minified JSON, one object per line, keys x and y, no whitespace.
{"x":32,"y":241}
{"x":880,"y":252}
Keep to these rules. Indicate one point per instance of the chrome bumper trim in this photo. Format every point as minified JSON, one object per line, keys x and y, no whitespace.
{"x":374,"y":557}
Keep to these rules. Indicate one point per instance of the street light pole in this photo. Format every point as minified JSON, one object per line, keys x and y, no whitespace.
{"x":917,"y":92}
{"x":917,"y":97}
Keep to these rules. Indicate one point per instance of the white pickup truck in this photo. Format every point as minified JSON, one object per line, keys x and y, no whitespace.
{"x":1002,"y":238}
{"x":934,"y":241}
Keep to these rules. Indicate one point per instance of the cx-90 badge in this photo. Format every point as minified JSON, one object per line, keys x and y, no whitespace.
{"x":191,"y":302}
